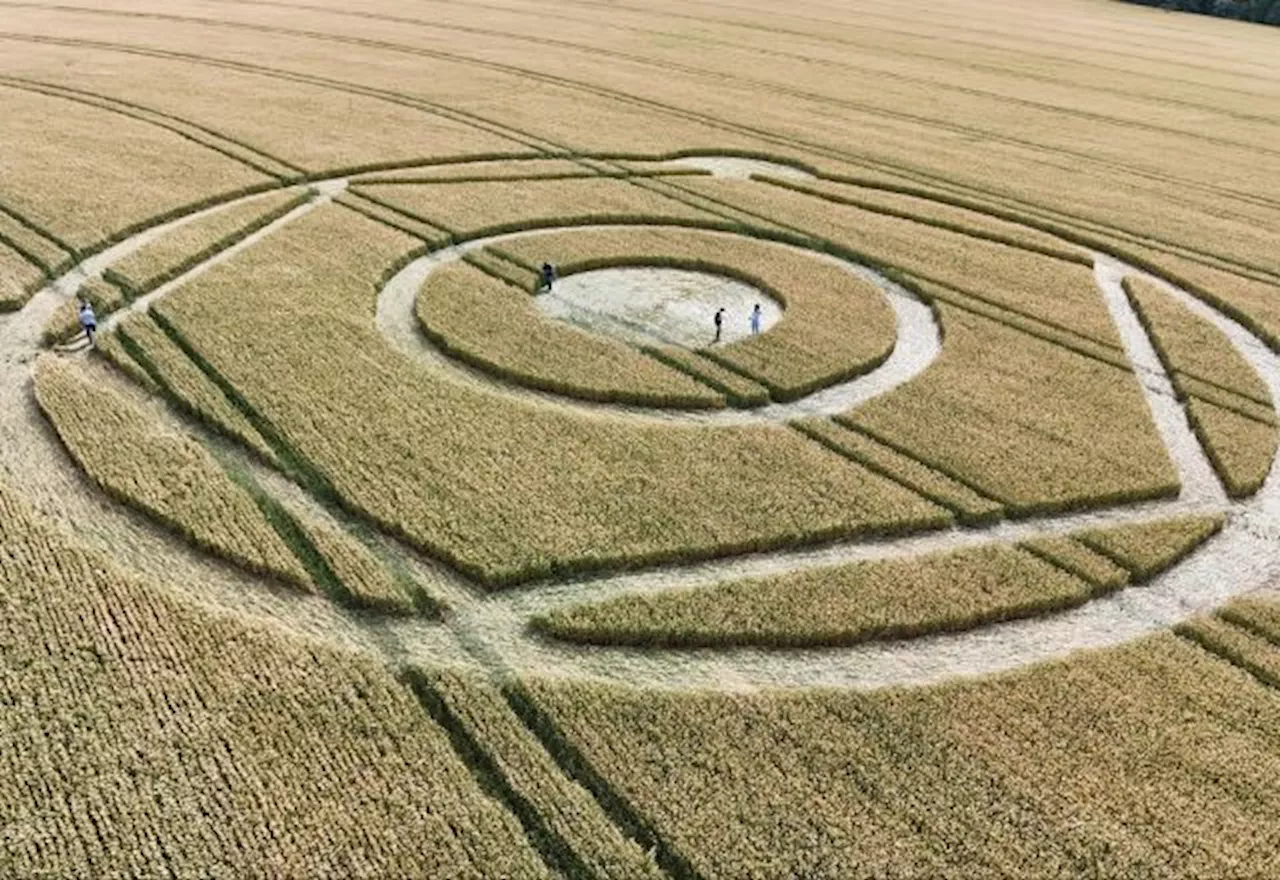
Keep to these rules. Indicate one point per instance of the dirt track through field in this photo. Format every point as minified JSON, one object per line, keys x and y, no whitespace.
{"x":490,"y":629}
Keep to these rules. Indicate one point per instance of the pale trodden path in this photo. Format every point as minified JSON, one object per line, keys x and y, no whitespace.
{"x":491,"y":631}
{"x":917,"y":344}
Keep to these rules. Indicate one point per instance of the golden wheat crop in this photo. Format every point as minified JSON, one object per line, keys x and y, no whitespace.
{"x":1192,"y":348}
{"x":527,"y":278}
{"x":895,"y":598}
{"x":573,"y":816}
{"x":1241,"y":449}
{"x":470,"y":210}
{"x":883,"y":599}
{"x":161,"y":472}
{"x":1228,"y":404}
{"x":18,"y":278}
{"x":143,"y":731}
{"x":479,"y":479}
{"x":937,"y":213}
{"x":970,"y":506}
{"x":356,"y":567}
{"x":1027,"y":423}
{"x":64,"y":324}
{"x":737,"y":389}
{"x":20,"y":242}
{"x":282,"y":116}
{"x":134,"y":171}
{"x":493,"y":325}
{"x":169,"y":366}
{"x":1034,"y":773}
{"x":1146,"y":549}
{"x":176,"y":250}
{"x":1071,"y":555}
{"x":835,"y":324}
{"x":1056,"y":291}
{"x":1068,"y":339}
{"x":1248,"y":650}
{"x":509,"y":169}
{"x":143,"y":736}
{"x":1258,"y":613}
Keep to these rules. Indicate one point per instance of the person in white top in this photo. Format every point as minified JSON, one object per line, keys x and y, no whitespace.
{"x":755,"y":320}
{"x":88,"y":320}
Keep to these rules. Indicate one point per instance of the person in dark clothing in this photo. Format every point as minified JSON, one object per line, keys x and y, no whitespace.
{"x":719,"y":319}
{"x":547,"y":278}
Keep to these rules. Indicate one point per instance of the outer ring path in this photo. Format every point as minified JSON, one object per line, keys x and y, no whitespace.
{"x":490,"y":628}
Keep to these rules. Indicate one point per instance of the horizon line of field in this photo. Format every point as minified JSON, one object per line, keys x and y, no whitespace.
{"x":525,"y":137}
{"x":623,"y":97}
{"x":703,"y":38}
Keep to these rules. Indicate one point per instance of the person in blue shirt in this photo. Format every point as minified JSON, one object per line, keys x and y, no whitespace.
{"x":88,"y":320}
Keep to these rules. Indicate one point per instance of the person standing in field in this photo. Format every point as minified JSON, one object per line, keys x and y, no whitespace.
{"x":755,"y":320}
{"x":548,"y":277}
{"x":88,"y":320}
{"x":719,"y":322}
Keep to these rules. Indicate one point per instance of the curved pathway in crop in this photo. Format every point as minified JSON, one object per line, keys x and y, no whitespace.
{"x":917,"y":344}
{"x":490,"y":630}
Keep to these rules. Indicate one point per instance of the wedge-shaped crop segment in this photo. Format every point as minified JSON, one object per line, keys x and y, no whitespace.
{"x":1228,"y":403}
{"x":879,"y":599}
{"x":176,"y":250}
{"x":160,"y":472}
{"x":150,"y":732}
{"x":1028,"y":423}
{"x":493,"y":325}
{"x":1237,"y":645}
{"x":1259,"y":614}
{"x":109,"y":346}
{"x":478,"y":479}
{"x":1146,"y":549}
{"x":1031,"y":773}
{"x":1241,"y":449}
{"x":836,"y":323}
{"x":1191,"y":347}
{"x":366,"y":579}
{"x":737,"y":389}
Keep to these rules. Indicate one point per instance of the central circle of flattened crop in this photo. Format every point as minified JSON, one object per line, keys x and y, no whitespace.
{"x":645,"y":305}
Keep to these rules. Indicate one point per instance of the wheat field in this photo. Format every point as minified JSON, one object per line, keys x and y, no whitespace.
{"x":336,"y":552}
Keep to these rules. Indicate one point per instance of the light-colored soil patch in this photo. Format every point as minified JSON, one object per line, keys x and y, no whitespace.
{"x":736,"y":168}
{"x":648,"y":306}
